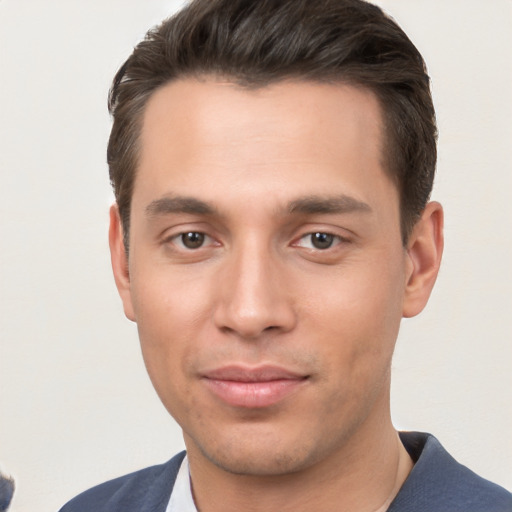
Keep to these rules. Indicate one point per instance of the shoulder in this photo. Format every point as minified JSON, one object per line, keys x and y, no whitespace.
{"x":147,"y":489}
{"x":439,"y":483}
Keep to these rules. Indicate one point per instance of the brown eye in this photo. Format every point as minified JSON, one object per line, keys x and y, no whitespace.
{"x":321,"y":240}
{"x":192,"y":240}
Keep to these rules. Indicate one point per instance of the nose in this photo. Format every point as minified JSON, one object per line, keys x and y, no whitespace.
{"x":254,"y":295}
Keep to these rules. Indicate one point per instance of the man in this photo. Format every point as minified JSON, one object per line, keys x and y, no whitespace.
{"x":272,"y":163}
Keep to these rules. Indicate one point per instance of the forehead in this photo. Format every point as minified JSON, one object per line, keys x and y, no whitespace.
{"x":281,"y":137}
{"x":217,"y":110}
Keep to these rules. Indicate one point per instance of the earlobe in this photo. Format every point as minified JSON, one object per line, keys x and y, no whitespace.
{"x":120,"y":262}
{"x":424,"y":252}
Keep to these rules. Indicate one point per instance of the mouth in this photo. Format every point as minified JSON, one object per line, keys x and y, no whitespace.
{"x":258,"y":387}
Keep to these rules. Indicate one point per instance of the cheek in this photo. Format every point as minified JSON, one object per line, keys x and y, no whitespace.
{"x":358,"y":320}
{"x":357,"y":360}
{"x":170,"y":315}
{"x":169,"y":304}
{"x":172,"y":319}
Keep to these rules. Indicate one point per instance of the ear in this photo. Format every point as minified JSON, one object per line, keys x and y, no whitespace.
{"x":424,"y":251}
{"x":120,"y":262}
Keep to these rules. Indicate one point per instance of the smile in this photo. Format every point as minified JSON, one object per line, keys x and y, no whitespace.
{"x":253,"y":388}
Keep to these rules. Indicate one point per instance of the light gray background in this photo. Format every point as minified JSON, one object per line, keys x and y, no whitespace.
{"x":76,"y":406}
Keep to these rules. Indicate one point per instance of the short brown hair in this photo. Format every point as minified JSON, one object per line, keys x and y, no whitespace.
{"x":258,"y":42}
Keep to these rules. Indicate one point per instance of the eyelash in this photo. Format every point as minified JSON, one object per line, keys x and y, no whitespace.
{"x":332,"y":240}
{"x":322,"y":237}
{"x":178,"y":240}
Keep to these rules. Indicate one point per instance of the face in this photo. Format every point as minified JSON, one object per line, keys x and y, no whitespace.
{"x":266,"y":274}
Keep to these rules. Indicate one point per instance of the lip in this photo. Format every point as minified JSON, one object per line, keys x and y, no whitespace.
{"x":257,"y":387}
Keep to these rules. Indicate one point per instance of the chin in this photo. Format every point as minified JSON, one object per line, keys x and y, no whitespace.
{"x":259,"y":462}
{"x":262,"y":454}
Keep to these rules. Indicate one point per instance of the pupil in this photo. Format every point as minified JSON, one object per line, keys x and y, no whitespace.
{"x":322,"y":240}
{"x":192,"y":240}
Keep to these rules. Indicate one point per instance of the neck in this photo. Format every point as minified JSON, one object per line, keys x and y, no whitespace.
{"x":365,"y":476}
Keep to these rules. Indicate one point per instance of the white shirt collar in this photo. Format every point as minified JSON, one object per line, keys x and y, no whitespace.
{"x":181,"y":496}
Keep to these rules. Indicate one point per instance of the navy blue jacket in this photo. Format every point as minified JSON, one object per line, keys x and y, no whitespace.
{"x":437,"y":483}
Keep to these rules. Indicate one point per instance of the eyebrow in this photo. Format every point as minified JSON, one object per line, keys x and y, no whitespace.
{"x":330,"y":204}
{"x":304,"y":205}
{"x":179,"y":204}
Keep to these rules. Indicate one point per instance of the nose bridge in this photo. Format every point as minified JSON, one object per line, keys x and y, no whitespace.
{"x":253,"y":297}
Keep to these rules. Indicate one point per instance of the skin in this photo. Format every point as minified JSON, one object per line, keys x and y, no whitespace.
{"x":255,"y":173}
